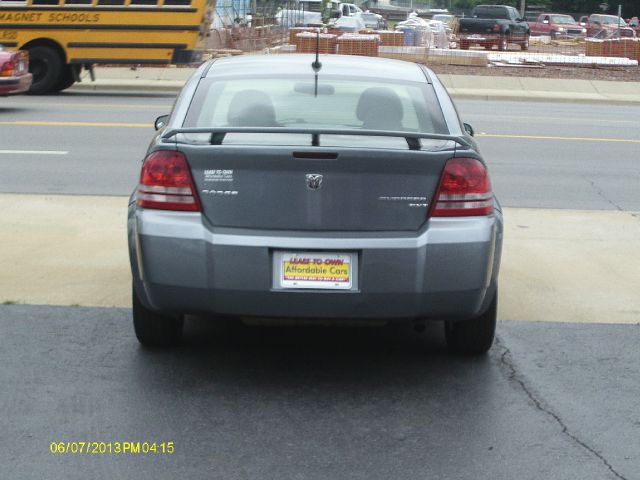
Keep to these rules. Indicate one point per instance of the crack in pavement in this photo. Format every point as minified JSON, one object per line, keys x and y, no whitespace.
{"x":604,"y":197}
{"x":506,"y":360}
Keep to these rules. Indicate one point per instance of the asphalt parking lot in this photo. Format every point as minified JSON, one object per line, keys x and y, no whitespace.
{"x":550,"y":401}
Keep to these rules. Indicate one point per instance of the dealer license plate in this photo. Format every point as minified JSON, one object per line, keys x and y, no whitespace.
{"x":315,"y":270}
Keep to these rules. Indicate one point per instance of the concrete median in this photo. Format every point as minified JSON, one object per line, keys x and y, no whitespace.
{"x":558,"y":265}
{"x":460,"y":86}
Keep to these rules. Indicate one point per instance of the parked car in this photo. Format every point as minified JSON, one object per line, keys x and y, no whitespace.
{"x":449,"y":21}
{"x":309,"y":12}
{"x":606,"y":26}
{"x":14,"y":72}
{"x":373,"y":20}
{"x":444,"y":18}
{"x":348,"y":188}
{"x":493,"y":25}
{"x":556,"y":25}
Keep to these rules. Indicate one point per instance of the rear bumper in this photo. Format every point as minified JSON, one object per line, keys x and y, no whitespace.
{"x":15,"y":85}
{"x":481,"y":39}
{"x":489,"y":39}
{"x":181,"y":265}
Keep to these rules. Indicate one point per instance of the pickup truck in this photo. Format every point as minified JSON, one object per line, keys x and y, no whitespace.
{"x":556,"y":25}
{"x":493,"y":25}
{"x":302,"y":13}
{"x":606,"y":26}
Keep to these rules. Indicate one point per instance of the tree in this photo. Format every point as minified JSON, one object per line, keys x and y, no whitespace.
{"x":464,"y":4}
{"x":630,"y":8}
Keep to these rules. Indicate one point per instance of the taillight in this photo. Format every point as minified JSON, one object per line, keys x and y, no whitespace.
{"x":166,"y":183}
{"x":7,"y":69}
{"x":464,"y":190}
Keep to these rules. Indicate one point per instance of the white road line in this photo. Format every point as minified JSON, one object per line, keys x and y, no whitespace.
{"x":33,"y":152}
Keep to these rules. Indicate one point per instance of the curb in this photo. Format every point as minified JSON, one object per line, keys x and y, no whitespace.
{"x":528,"y":97}
{"x":470,"y":87}
{"x":174,"y":87}
{"x":103,"y":86}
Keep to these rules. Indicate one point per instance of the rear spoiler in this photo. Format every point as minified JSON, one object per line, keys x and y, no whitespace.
{"x":413,"y":139}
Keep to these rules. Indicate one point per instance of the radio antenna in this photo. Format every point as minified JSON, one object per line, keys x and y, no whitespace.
{"x":316,"y":65}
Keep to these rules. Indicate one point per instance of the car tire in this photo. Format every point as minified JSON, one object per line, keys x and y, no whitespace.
{"x":473,"y":336}
{"x":525,"y":45}
{"x":46,"y":66}
{"x":154,"y":329}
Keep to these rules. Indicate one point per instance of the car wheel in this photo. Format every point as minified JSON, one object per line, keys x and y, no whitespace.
{"x":474,"y":336}
{"x":552,"y":34}
{"x":525,"y":45}
{"x":503,"y":44}
{"x":154,"y":329}
{"x":45,"y":65}
{"x":67,"y":77}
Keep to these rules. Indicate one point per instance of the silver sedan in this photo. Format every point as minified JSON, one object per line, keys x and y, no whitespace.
{"x":334,"y":188}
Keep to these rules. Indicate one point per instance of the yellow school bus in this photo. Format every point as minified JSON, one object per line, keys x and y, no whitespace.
{"x":62,"y":36}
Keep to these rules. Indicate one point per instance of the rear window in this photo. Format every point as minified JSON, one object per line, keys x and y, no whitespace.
{"x":491,"y":12}
{"x":341,"y":103}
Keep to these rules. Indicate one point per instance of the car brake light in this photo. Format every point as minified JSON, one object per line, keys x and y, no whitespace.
{"x":7,"y":69}
{"x":464,"y":190}
{"x":166,"y":183}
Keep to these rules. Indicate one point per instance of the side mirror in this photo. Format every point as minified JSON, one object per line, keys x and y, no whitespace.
{"x":161,"y":122}
{"x":469,"y":129}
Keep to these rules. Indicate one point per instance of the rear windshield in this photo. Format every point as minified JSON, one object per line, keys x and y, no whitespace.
{"x":496,"y":12}
{"x":340,"y":103}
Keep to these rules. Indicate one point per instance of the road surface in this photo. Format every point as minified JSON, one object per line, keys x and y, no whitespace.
{"x":553,"y":400}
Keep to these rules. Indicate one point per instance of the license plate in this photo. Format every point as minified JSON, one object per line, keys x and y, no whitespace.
{"x":323,"y":270}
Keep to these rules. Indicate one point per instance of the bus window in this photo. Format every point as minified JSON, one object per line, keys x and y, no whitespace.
{"x":177,"y":3}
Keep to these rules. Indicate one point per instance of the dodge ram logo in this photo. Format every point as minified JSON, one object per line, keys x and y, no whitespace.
{"x":314,"y":181}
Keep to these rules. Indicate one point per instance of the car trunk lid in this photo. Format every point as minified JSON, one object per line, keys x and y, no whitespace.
{"x":302,"y":188}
